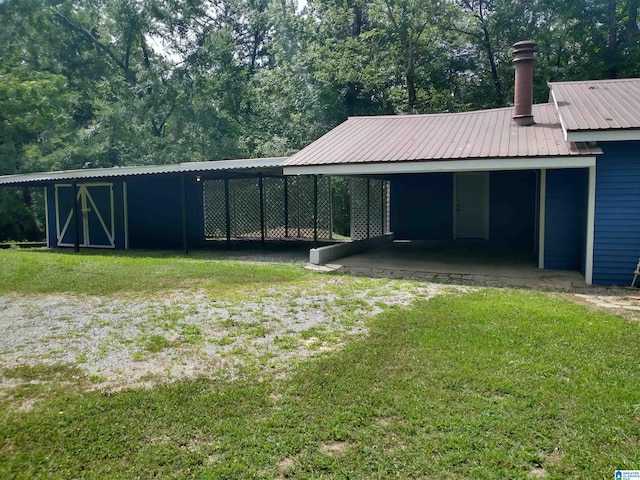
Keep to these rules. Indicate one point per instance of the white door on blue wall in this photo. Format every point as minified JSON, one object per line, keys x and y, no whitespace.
{"x":471,"y":205}
{"x":96,"y":223}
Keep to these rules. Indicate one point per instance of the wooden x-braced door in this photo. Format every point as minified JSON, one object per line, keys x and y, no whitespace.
{"x":95,"y":207}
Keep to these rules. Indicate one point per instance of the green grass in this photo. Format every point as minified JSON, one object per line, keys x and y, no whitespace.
{"x":42,"y":271}
{"x":494,"y":384}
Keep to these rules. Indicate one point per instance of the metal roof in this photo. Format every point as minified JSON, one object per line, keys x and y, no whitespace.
{"x":99,"y":173}
{"x":598,"y":104}
{"x":454,"y":136}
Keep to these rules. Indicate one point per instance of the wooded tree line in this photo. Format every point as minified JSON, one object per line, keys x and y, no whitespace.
{"x":100,"y":83}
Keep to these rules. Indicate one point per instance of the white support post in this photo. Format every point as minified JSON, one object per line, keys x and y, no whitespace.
{"x":591,"y":215}
{"x":543,"y":214}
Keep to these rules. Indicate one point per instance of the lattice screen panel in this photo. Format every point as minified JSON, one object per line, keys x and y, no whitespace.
{"x":288,"y":208}
{"x":245,"y":208}
{"x":274,"y":203}
{"x":369,"y":208}
{"x":358,"y":187}
{"x":214,"y":209}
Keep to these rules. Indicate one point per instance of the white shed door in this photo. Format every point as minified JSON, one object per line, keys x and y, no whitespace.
{"x":471,"y":205}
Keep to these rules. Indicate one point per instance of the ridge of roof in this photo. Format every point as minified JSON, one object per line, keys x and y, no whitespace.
{"x":603,"y":80}
{"x":443,"y":114}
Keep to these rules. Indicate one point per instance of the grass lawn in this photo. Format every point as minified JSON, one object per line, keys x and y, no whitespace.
{"x":492,"y":383}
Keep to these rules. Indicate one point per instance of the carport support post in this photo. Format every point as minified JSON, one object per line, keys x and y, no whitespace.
{"x":315,"y":211}
{"x":185,"y":245}
{"x":261,"y":188}
{"x":227,"y":212}
{"x":76,"y":217}
{"x":286,"y":207}
{"x":382,"y":216}
{"x":368,"y":208}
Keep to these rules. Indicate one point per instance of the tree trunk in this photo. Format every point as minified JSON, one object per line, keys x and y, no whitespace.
{"x":497,"y":83}
{"x":612,"y":44}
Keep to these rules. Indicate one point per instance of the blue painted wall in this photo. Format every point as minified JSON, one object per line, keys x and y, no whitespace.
{"x":422,"y":206}
{"x":566,"y":219}
{"x":512,"y":214}
{"x":617,"y":215}
{"x":155,"y":212}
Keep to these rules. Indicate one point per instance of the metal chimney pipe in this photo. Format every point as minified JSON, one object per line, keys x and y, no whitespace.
{"x":523,"y":57}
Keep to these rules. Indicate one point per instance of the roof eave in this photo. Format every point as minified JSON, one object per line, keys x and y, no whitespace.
{"x":447,"y":166}
{"x":608,"y":135}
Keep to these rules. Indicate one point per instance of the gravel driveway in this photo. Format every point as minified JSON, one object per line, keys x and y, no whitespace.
{"x":131,"y":341}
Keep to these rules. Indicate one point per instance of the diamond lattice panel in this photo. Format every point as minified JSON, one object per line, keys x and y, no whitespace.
{"x":214,"y":211}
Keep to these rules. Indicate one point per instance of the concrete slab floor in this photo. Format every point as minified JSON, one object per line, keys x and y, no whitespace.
{"x":477,"y":263}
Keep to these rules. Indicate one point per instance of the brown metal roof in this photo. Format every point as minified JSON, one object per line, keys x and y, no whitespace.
{"x":453,"y":136}
{"x":248,"y":165}
{"x":598,"y":104}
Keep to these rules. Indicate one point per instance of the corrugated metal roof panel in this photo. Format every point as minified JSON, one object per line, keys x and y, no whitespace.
{"x":95,"y":173}
{"x":598,"y":104}
{"x":451,"y":136}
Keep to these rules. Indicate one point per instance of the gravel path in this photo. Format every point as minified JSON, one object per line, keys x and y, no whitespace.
{"x":128,"y":341}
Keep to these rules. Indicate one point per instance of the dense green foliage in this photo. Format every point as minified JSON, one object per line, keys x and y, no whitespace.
{"x":123,"y":82}
{"x":487,"y":384}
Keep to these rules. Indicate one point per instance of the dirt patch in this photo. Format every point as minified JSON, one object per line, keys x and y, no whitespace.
{"x":334,"y":448}
{"x":284,"y":467}
{"x":627,"y":306}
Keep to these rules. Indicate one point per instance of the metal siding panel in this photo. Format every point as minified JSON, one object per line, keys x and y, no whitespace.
{"x":155,"y":212}
{"x":617,"y":223}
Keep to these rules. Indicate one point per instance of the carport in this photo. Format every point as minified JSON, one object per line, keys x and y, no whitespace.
{"x":473,"y":178}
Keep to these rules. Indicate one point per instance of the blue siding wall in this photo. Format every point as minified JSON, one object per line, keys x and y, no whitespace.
{"x":512,"y":212}
{"x":617,"y":216}
{"x":422,"y":206}
{"x":566,"y":217}
{"x":51,"y":216}
{"x":155,"y":212}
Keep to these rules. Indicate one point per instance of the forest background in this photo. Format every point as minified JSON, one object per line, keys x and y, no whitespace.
{"x":103,"y":83}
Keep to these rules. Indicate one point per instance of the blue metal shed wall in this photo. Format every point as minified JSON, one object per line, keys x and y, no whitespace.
{"x":617,"y":217}
{"x":155,"y":212}
{"x":102,"y":202}
{"x":422,"y":206}
{"x":566,"y":219}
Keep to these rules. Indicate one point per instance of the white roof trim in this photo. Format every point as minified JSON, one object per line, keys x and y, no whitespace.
{"x":555,"y":102}
{"x":91,"y":173}
{"x":613,"y":135}
{"x":384,"y":168}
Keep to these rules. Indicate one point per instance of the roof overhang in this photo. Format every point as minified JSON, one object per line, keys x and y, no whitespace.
{"x":611,"y":135}
{"x":244,"y":165}
{"x":444,"y":166}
